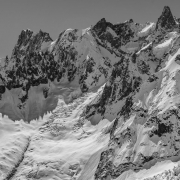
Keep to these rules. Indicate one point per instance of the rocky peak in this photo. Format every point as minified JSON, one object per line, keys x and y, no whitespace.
{"x":129,"y":21}
{"x":121,"y":28}
{"x":29,"y":42}
{"x":24,"y":36}
{"x":116,"y":34}
{"x":101,"y":26}
{"x":45,"y":36}
{"x":166,"y":20}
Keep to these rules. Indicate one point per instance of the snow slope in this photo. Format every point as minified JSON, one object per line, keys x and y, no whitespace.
{"x":147,"y":29}
{"x":59,"y":148}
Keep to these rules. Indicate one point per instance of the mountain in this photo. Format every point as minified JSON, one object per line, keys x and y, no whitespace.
{"x":120,"y":119}
{"x":78,"y":60}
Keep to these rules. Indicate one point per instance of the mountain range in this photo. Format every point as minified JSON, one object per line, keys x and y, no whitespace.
{"x":113,"y":92}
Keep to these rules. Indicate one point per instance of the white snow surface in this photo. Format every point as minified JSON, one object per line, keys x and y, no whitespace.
{"x":147,"y":29}
{"x":58,"y":147}
{"x":163,"y":47}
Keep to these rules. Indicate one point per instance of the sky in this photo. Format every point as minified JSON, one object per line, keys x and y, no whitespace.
{"x":54,"y":16}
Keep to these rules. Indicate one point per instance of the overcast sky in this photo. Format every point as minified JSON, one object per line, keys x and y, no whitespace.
{"x":54,"y":16}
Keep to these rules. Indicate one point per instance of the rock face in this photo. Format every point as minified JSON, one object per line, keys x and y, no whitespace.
{"x":166,"y":20}
{"x":137,"y":71}
{"x":142,"y":95}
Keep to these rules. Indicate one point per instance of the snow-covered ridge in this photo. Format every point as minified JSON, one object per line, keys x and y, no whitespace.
{"x":76,"y":62}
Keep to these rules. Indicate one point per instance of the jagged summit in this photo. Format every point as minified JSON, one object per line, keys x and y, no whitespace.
{"x":29,"y":42}
{"x":24,"y":36}
{"x":28,"y":34}
{"x":102,"y":25}
{"x":166,"y":20}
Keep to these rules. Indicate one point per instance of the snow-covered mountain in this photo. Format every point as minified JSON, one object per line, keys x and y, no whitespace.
{"x":78,"y":61}
{"x":124,"y":124}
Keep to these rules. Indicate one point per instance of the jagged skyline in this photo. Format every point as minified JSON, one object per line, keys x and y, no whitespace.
{"x":56,"y":16}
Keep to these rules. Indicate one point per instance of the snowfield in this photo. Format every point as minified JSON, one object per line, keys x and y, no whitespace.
{"x":147,"y":29}
{"x":59,"y":148}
